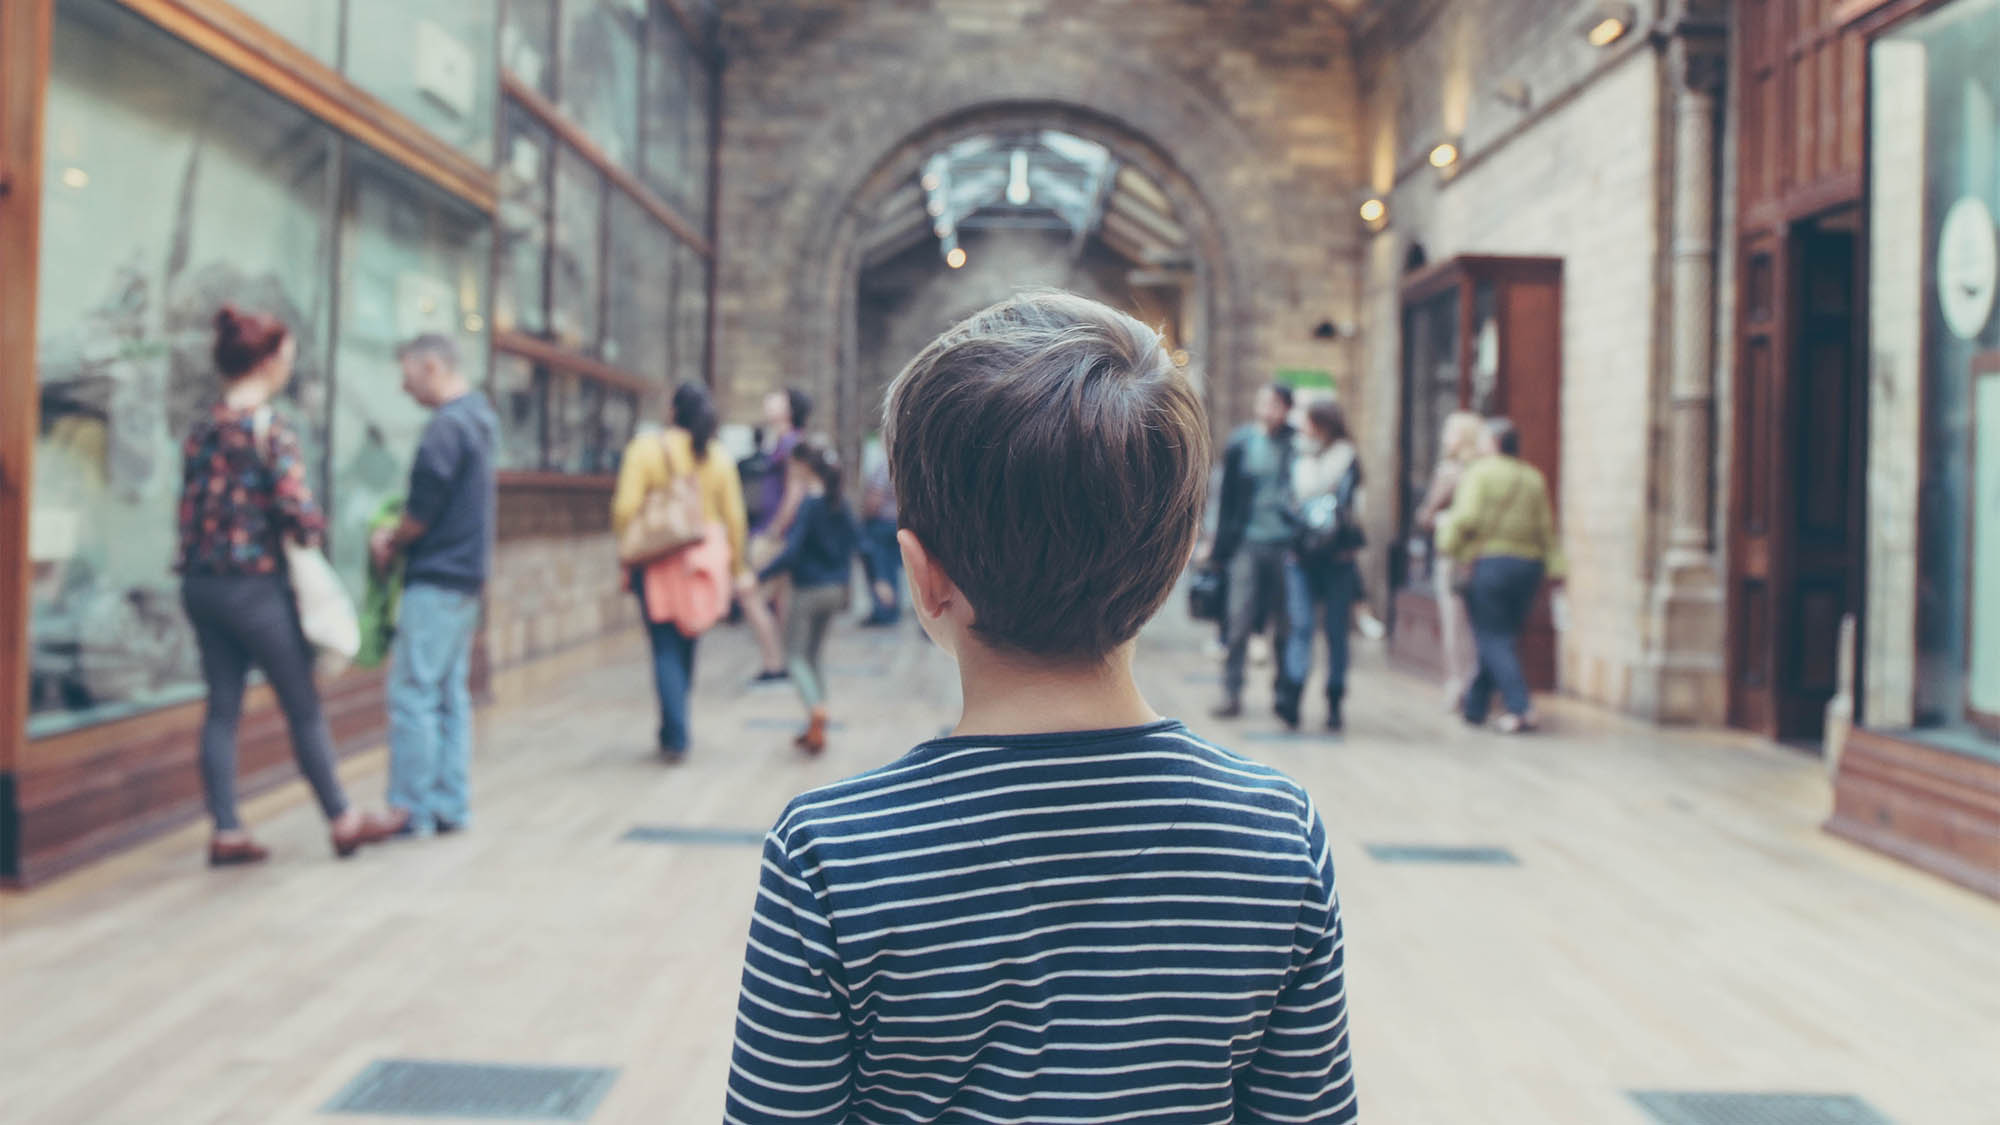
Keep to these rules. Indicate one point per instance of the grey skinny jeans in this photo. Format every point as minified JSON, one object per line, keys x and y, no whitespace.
{"x":241,"y":621}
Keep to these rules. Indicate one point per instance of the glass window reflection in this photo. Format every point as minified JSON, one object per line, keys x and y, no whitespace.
{"x":639,"y":290}
{"x":520,"y":290}
{"x":430,"y":60}
{"x":600,"y":72}
{"x":576,"y":270}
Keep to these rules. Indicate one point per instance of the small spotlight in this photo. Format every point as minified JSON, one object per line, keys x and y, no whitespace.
{"x":474,"y":323}
{"x":1374,"y":211}
{"x":1444,"y":155}
{"x":1607,"y":23}
{"x":956,"y":258}
{"x":931,"y":181}
{"x":942,"y":229}
{"x":75,"y":178}
{"x":935,"y":207}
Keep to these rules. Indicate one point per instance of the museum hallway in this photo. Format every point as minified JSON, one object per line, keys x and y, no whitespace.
{"x":1616,"y":910}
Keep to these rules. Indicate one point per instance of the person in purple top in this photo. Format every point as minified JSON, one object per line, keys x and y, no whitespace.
{"x":785,"y":415}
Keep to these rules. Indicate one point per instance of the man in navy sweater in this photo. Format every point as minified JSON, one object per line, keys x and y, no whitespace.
{"x":445,"y":539}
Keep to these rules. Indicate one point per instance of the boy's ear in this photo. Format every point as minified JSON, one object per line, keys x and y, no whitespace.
{"x":930,"y":590}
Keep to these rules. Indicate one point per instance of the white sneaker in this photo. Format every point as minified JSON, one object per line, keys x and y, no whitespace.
{"x":1370,"y":626}
{"x":1260,"y":650}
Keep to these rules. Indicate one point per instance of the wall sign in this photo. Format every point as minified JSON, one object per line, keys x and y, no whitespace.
{"x":1968,"y":263}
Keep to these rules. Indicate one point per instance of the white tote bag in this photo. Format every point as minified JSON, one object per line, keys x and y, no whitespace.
{"x":326,"y":613}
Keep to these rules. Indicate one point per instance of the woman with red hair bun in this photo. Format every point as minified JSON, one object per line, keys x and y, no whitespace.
{"x":244,"y":493}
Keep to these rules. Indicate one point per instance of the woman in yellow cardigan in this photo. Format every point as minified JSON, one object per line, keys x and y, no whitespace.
{"x":654,"y":461}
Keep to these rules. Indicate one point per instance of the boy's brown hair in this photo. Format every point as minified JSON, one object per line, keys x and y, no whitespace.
{"x":1053,"y":460}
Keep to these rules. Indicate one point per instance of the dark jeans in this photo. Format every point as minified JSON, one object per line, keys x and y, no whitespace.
{"x":673,"y":675}
{"x":1497,"y":599}
{"x":1259,"y":590}
{"x":1325,"y":594}
{"x":883,"y":560}
{"x":241,"y":622}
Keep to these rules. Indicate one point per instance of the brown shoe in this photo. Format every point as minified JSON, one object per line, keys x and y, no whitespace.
{"x":373,"y":829}
{"x":236,"y":853}
{"x":813,"y":741}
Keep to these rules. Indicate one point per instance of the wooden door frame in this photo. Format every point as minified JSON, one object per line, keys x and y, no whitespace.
{"x":24,"y":68}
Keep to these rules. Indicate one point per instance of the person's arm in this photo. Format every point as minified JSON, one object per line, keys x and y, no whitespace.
{"x":297,"y":511}
{"x":1439,"y":496}
{"x":1554,"y":563}
{"x":794,"y":1056}
{"x":431,"y":478}
{"x":630,"y":494}
{"x":1463,"y":528}
{"x":795,"y":542}
{"x":1304,"y":1068}
{"x":1233,"y":513}
{"x":788,"y":506}
{"x":735,"y":520}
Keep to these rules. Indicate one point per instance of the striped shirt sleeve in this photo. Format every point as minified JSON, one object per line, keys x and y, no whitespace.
{"x":793,"y":1062}
{"x":1303,"y":1070}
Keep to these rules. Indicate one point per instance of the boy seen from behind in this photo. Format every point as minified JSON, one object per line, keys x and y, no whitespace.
{"x":1071,"y":909}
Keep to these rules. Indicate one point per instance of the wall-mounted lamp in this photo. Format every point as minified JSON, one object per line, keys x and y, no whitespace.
{"x":1444,"y":155}
{"x":1608,"y":22}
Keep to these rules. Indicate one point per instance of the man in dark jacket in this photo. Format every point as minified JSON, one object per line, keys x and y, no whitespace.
{"x":1253,"y":543}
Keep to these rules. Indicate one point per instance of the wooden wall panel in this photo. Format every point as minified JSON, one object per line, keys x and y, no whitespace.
{"x":1802,"y":80}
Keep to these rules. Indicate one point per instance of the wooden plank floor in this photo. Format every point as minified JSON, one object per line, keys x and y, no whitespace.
{"x":1676,"y":921}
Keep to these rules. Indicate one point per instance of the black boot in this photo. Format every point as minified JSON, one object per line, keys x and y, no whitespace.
{"x":1287,"y":705}
{"x":1334,"y":721}
{"x":1230,"y":708}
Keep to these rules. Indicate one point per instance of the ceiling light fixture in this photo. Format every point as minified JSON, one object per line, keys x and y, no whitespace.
{"x":1444,"y":155}
{"x":1374,"y":211}
{"x":1018,"y":192}
{"x":1607,"y":23}
{"x":955,"y":258}
{"x":931,"y":181}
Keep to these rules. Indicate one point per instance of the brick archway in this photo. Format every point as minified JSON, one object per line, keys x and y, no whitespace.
{"x":820,"y":117}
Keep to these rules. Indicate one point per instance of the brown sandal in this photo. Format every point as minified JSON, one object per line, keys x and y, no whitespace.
{"x":373,"y":830}
{"x":236,"y":853}
{"x":813,"y":740}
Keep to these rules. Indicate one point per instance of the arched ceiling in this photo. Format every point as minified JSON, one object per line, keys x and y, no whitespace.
{"x":1043,"y":179}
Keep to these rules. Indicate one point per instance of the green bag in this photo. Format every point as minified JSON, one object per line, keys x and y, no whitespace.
{"x":379,"y":603}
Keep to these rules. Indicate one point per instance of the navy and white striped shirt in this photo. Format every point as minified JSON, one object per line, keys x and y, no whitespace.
{"x":1120,"y":926}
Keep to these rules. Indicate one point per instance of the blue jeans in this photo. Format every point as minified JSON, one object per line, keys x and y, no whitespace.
{"x":430,"y":707}
{"x":1322,"y":595}
{"x":883,"y":560}
{"x":673,"y":679}
{"x":1497,"y":599}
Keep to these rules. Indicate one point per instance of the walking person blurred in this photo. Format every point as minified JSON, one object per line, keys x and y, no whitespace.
{"x":880,"y":555}
{"x":243,"y":495}
{"x":1253,"y":543}
{"x":1503,"y":533}
{"x":445,"y":539}
{"x":683,"y":596}
{"x":785,"y":415}
{"x":1463,"y":433}
{"x":818,"y":557}
{"x":1325,"y":580}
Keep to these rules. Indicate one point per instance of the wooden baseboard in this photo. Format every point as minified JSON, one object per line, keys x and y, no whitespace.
{"x":1931,"y":808}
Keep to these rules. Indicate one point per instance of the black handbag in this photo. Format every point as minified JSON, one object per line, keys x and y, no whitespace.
{"x":1208,"y":594}
{"x":1325,"y":524}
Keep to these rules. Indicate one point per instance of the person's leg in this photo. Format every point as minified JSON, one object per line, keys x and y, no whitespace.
{"x":800,"y":659}
{"x":416,"y":683}
{"x":1454,"y":643}
{"x":820,"y":610}
{"x":225,"y":666}
{"x":1514,"y":597}
{"x":1298,"y":654}
{"x":451,"y":801}
{"x":1486,"y":640}
{"x":764,"y":626}
{"x":269,"y":630}
{"x":1238,"y":620}
{"x":1275,"y":594}
{"x":1342,"y":589}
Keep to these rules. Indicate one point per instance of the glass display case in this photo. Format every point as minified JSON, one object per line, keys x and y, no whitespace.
{"x":1484,"y":335}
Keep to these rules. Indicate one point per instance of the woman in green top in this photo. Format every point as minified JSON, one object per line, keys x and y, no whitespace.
{"x":1502,"y":535}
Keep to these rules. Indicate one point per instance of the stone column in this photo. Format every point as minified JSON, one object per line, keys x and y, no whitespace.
{"x":1683,"y":675}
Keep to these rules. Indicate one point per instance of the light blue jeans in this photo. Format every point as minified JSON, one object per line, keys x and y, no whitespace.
{"x":430,"y":708}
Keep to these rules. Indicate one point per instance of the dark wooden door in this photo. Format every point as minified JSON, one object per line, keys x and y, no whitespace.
{"x":1824,"y":451}
{"x":1756,"y":547}
{"x":1794,"y":545}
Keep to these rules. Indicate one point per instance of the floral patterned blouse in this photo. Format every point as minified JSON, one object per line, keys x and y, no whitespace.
{"x":237,"y":504}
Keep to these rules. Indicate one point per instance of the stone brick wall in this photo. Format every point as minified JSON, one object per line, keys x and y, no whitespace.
{"x":1578,"y":180}
{"x":1246,"y":112}
{"x":553,"y":589}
